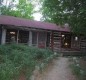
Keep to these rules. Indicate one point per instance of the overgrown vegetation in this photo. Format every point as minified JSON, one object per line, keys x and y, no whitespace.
{"x":17,"y":59}
{"x":72,"y":12}
{"x":77,"y":68}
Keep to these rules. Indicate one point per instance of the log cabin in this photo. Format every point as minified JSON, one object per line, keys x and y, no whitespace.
{"x":40,"y":34}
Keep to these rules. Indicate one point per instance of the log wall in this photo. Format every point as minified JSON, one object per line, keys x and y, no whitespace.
{"x":83,"y":43}
{"x":55,"y":41}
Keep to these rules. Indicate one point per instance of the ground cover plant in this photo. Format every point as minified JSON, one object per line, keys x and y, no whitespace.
{"x":78,"y":67}
{"x":21,"y":59}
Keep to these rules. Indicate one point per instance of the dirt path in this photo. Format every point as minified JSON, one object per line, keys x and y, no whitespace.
{"x":58,"y":70}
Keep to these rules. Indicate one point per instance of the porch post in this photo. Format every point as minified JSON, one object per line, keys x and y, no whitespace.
{"x":3,"y":39}
{"x":45,"y":39}
{"x":60,"y":34}
{"x":52,"y":41}
{"x":17,"y":36}
{"x":30,"y":38}
{"x":37,"y":39}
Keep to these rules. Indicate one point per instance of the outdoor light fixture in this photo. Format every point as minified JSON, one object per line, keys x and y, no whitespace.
{"x":76,"y":38}
{"x":66,"y":44}
{"x":63,"y":35}
{"x":12,"y":32}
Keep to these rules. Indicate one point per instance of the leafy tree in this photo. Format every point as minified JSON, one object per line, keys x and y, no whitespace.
{"x":25,"y":9}
{"x":22,"y":9}
{"x":6,"y":7}
{"x":72,"y":12}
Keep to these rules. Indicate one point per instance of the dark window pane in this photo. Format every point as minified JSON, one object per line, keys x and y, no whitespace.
{"x":42,"y":40}
{"x":11,"y":35}
{"x":34,"y":38}
{"x":23,"y":36}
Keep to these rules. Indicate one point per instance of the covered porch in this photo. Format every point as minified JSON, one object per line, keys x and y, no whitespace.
{"x":30,"y":37}
{"x":57,"y":41}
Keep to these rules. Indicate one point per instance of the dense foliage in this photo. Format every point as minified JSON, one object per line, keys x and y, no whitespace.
{"x":20,"y":59}
{"x":78,"y":66}
{"x":17,"y":8}
{"x":72,"y":12}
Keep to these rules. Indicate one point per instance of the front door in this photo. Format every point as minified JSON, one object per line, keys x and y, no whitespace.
{"x":66,"y":40}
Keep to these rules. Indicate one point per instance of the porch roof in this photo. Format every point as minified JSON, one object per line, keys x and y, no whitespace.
{"x":10,"y":20}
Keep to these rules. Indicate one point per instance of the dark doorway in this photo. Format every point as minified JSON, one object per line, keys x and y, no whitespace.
{"x":11,"y":35}
{"x":48,"y":39}
{"x":34,"y":38}
{"x":65,"y":40}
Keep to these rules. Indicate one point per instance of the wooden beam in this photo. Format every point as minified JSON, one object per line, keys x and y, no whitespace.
{"x":24,"y":28}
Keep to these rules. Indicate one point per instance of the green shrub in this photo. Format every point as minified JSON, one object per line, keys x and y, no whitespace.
{"x":16,"y":59}
{"x":77,"y":69}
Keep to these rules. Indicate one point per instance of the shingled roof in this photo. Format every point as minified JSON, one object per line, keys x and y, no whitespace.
{"x":10,"y":20}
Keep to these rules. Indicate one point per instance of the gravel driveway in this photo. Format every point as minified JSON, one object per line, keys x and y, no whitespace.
{"x":58,"y":70}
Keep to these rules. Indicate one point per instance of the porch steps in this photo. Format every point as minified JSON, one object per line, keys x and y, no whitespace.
{"x":73,"y":53}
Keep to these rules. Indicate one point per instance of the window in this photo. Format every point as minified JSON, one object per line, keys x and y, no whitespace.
{"x":34,"y":38}
{"x":23,"y":36}
{"x":76,"y":38}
